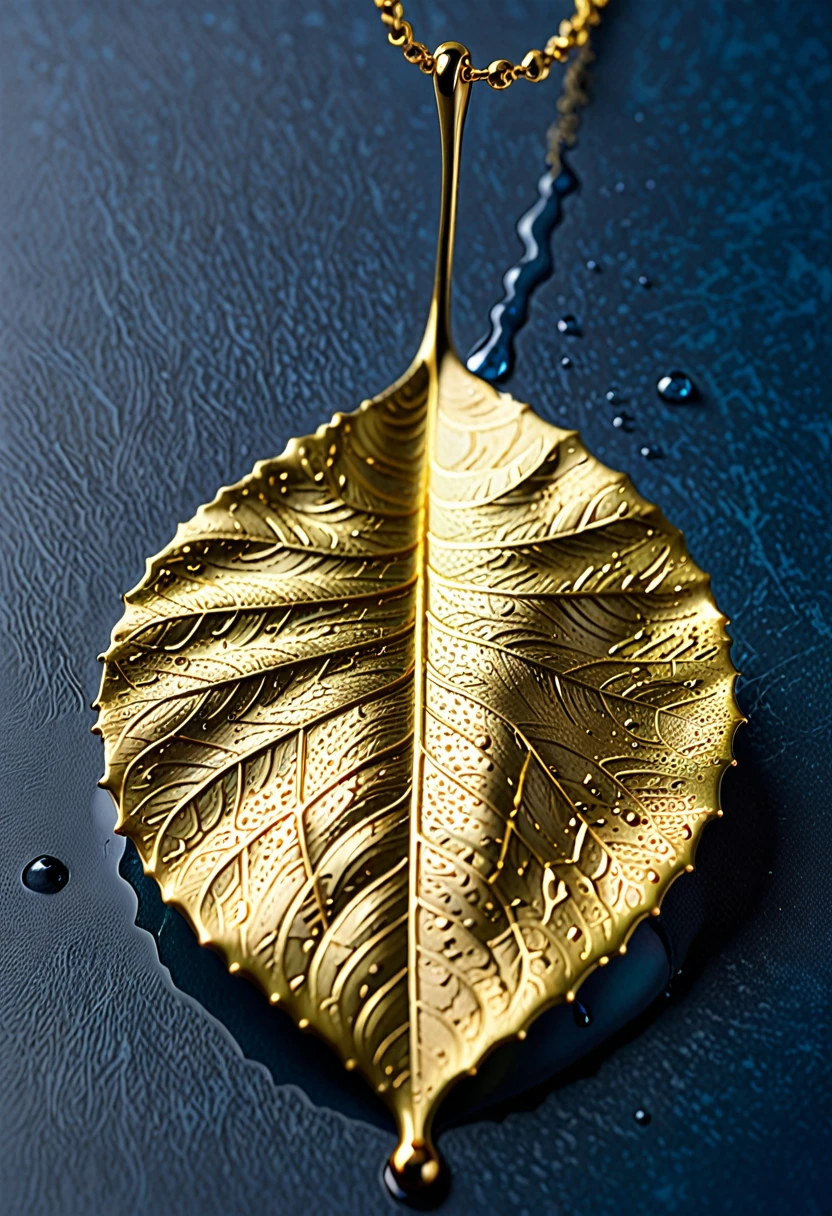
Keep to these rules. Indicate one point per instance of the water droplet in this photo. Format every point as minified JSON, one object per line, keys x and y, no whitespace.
{"x":650,"y":453}
{"x":642,"y":1117}
{"x":613,"y":396}
{"x":639,"y":117}
{"x":619,"y":187}
{"x":624,"y":422}
{"x":566,"y":361}
{"x":650,"y":184}
{"x":676,"y":388}
{"x":644,"y":282}
{"x":581,"y":1014}
{"x":593,"y":265}
{"x":45,"y":875}
{"x":569,"y":325}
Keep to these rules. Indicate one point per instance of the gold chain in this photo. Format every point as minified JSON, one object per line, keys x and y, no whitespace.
{"x":534,"y":66}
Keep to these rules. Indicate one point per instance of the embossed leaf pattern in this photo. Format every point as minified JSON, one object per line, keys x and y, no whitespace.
{"x":416,"y":722}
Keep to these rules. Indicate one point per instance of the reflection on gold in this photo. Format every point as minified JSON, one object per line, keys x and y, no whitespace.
{"x":417,"y":721}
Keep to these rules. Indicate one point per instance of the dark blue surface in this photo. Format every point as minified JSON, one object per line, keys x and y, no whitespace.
{"x":214,"y":233}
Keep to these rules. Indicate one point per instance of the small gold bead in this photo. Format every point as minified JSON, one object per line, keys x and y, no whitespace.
{"x":500,"y":73}
{"x":391,"y":12}
{"x":415,"y":52}
{"x":534,"y":66}
{"x":401,"y":34}
{"x":558,"y":48}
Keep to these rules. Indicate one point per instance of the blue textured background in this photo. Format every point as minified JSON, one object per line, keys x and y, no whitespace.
{"x":214,"y":232}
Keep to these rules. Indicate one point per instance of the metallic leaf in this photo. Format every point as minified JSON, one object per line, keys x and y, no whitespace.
{"x":417,"y":721}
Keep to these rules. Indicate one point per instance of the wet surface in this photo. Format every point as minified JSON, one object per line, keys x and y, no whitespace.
{"x":214,"y":237}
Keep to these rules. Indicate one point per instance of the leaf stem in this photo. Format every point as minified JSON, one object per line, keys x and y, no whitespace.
{"x":452,"y":97}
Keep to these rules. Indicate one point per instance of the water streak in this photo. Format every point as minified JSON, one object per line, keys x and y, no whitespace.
{"x":493,"y":357}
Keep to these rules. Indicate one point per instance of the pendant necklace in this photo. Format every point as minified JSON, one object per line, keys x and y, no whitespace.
{"x":418,"y":721}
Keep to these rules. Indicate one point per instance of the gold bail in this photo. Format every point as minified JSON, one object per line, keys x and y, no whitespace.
{"x":453,"y":92}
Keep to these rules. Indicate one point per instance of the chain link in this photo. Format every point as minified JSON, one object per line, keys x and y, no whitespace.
{"x":534,"y":66}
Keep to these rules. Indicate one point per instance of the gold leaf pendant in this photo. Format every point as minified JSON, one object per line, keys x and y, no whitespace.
{"x":417,"y":721}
